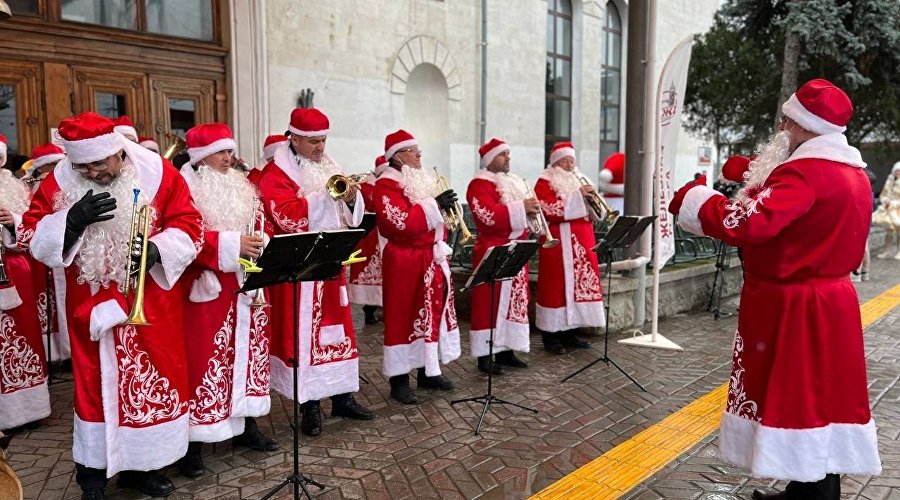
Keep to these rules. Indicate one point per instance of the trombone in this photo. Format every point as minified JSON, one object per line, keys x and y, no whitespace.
{"x":537,"y":222}
{"x":453,"y":218}
{"x":597,"y":203}
{"x":140,"y":228}
{"x":255,"y":227}
{"x":340,"y":186}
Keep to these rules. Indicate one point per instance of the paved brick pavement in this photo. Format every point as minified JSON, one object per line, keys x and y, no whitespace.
{"x":430,"y":451}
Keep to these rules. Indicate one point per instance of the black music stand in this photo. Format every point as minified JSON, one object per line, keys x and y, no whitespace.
{"x":625,"y":231}
{"x":501,"y":263}
{"x":293,"y":258}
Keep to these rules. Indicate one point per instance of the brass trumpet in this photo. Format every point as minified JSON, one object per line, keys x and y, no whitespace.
{"x":4,"y":278}
{"x":454,"y":217}
{"x":140,"y":228}
{"x":538,"y":223}
{"x":256,"y":227}
{"x":177,"y":147}
{"x":340,"y":186}
{"x":597,"y":203}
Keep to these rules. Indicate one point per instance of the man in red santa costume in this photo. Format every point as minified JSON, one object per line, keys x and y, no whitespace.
{"x":365,"y":277}
{"x":125,"y":126}
{"x":292,"y":190}
{"x":798,"y":404}
{"x":23,"y":373}
{"x":570,"y":295}
{"x":420,"y":328}
{"x":131,"y":394}
{"x":43,"y":160}
{"x":226,"y":336}
{"x":271,"y":144}
{"x":501,"y":205}
{"x":612,"y":181}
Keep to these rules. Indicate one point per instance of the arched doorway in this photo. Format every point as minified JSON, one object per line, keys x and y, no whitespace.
{"x":426,"y":113}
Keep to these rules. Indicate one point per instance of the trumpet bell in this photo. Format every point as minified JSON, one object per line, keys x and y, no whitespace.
{"x":177,"y":147}
{"x":340,"y":186}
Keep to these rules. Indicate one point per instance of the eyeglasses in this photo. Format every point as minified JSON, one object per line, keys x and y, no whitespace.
{"x":97,"y":166}
{"x":415,"y":151}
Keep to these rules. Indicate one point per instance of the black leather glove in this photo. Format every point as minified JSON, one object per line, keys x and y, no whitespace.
{"x":446,"y":200}
{"x":152,"y":252}
{"x":89,"y":209}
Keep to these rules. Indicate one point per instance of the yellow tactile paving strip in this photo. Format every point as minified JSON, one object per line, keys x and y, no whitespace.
{"x":622,"y":468}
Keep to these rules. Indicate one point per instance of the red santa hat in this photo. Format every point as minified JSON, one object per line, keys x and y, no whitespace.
{"x":89,"y":137}
{"x":309,"y":122}
{"x":561,"y":150}
{"x":396,"y":141}
{"x":44,"y":155}
{"x":820,"y":107}
{"x":3,"y":147}
{"x":380,"y":162}
{"x":149,"y":143}
{"x":271,"y":144}
{"x":125,"y":127}
{"x":208,"y":139}
{"x":491,"y":149}
{"x":612,"y":175}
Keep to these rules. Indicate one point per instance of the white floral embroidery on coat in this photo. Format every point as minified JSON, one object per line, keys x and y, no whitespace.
{"x":286,"y":223}
{"x":483,"y":213}
{"x":742,"y":211}
{"x":338,"y":351}
{"x":212,"y":398}
{"x":395,"y":215}
{"x":20,"y":365}
{"x":587,"y":282}
{"x":518,"y":298}
{"x":556,"y":208}
{"x":371,"y":274}
{"x":424,"y":324}
{"x":145,"y":396}
{"x":738,"y":403}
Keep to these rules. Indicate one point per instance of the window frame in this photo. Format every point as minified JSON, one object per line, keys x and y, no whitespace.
{"x":606,"y":69}
{"x":555,"y":13}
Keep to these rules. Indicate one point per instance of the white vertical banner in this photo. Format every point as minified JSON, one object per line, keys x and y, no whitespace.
{"x":669,"y":103}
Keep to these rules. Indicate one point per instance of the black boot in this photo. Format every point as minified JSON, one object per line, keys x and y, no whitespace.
{"x":150,"y":483}
{"x":369,"y":312}
{"x":254,"y":439}
{"x":311,"y":424}
{"x":552,"y":343}
{"x":92,"y":482}
{"x":827,"y":488}
{"x":438,"y":382}
{"x":191,"y":464}
{"x":401,"y":391}
{"x":569,"y":339}
{"x":758,"y":495}
{"x":508,"y":358}
{"x":344,"y":405}
{"x":485,"y":365}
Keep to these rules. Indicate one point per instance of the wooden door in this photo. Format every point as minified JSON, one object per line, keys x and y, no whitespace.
{"x":180,"y":103}
{"x":22,"y":120}
{"x":112,"y":93}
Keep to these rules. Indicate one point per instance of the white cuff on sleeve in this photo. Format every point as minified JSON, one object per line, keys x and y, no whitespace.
{"x":176,"y":252}
{"x":433,"y":215}
{"x":229,"y":251}
{"x":47,"y":243}
{"x":574,"y":206}
{"x":689,"y":214}
{"x":518,"y":219}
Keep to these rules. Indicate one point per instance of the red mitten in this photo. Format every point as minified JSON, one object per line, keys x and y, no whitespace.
{"x":678,"y":199}
{"x":734,"y":168}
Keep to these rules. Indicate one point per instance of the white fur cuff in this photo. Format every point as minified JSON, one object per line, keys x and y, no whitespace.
{"x":433,"y":215}
{"x":689,"y":215}
{"x":104,"y":317}
{"x":229,"y":251}
{"x":9,"y":298}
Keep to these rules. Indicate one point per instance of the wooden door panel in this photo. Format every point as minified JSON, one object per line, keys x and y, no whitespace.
{"x":22,"y":102}
{"x":94,"y":86}
{"x":180,"y":103}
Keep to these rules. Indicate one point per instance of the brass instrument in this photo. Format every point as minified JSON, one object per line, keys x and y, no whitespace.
{"x":597,"y":203}
{"x":34,"y":179}
{"x":140,"y":228}
{"x":4,"y":278}
{"x":256,"y":227}
{"x":453,"y":218}
{"x":538,"y":223}
{"x":177,"y":147}
{"x":340,"y":186}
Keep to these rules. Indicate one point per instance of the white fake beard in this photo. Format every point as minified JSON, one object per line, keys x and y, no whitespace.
{"x":564,"y":182}
{"x":419,"y":183}
{"x":14,"y":194}
{"x":103,"y":256}
{"x":314,"y":175}
{"x":225,"y":200}
{"x":511,"y":187}
{"x":771,"y":154}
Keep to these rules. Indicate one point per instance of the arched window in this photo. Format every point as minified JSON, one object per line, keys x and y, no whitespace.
{"x":559,"y":73}
{"x":611,"y":83}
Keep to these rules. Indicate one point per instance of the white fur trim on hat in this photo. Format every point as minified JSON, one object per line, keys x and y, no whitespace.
{"x":397,"y":147}
{"x":93,"y":149}
{"x":197,"y":154}
{"x":269,"y":151}
{"x":794,"y":109}
{"x":561,"y":153}
{"x":150,"y":144}
{"x":490,"y":155}
{"x":128,"y":131}
{"x":307,"y":133}
{"x":45,"y":160}
{"x":2,"y":153}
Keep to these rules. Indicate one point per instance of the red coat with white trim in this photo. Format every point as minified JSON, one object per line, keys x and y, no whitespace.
{"x":226,"y":339}
{"x":498,"y":223}
{"x":23,"y":369}
{"x":130,"y":381}
{"x":570,"y":292}
{"x":366,"y":277}
{"x":798,"y":404}
{"x":420,"y":328}
{"x":329,"y":361}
